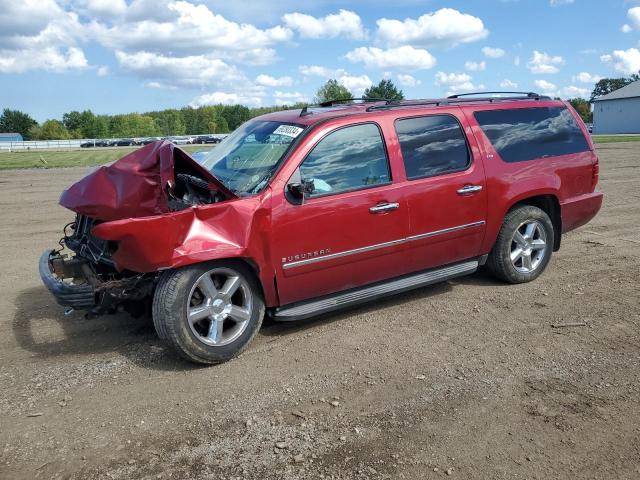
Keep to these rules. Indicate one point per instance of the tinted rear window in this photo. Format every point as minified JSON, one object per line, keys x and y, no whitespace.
{"x":529,"y":133}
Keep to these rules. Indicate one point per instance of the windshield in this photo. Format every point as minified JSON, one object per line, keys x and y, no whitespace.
{"x":246,"y":159}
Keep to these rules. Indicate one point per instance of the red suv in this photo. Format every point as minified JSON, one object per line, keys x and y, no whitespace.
{"x":301,"y":212}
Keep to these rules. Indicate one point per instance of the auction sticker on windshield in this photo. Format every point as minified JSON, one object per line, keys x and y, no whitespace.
{"x":288,"y":130}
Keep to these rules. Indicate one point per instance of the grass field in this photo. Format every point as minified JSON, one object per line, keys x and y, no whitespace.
{"x":71,"y":158}
{"x":615,"y":138}
{"x":100,"y":156}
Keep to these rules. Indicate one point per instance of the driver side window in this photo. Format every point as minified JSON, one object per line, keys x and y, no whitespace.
{"x":349,"y":158}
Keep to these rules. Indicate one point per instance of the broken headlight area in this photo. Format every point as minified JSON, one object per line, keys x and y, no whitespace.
{"x":86,"y":279}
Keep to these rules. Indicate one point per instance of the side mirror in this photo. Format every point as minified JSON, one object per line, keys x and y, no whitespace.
{"x":301,"y":189}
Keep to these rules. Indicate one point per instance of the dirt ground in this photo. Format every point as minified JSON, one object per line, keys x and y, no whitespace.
{"x":466,"y":379}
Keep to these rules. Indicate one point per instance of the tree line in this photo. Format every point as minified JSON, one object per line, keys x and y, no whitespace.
{"x":214,"y":118}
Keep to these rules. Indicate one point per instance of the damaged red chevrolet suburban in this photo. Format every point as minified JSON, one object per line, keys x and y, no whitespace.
{"x":302,"y":212}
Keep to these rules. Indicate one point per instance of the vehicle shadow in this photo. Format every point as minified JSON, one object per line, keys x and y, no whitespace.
{"x":40,"y":327}
{"x":275,"y":328}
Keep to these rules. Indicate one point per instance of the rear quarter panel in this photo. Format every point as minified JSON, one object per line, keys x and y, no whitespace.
{"x":569,"y":178}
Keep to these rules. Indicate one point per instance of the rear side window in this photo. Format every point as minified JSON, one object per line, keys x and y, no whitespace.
{"x":347,"y":159}
{"x":528,"y":133}
{"x":432,"y":145}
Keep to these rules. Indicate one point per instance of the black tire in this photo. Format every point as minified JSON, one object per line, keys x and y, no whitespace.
{"x":499,"y":262}
{"x":170,"y":312}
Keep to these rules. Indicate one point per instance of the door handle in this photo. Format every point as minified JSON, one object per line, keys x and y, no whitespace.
{"x":469,"y":189}
{"x":384,"y":207}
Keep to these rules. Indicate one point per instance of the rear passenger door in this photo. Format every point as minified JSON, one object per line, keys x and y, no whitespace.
{"x":445,"y":189}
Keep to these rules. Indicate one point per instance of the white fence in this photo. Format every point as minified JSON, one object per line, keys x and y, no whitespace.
{"x":69,"y":144}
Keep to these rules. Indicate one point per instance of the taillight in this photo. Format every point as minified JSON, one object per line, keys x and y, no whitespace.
{"x":595,"y":172}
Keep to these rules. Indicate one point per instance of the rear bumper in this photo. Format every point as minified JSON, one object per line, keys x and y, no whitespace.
{"x":66,"y":294}
{"x":580,"y":210}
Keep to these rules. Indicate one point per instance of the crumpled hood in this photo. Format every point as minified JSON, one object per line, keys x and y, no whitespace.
{"x":134,"y":186}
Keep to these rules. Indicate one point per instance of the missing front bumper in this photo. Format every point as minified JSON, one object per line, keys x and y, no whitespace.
{"x":77,"y":296}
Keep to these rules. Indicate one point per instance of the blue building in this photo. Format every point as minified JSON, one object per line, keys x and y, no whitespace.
{"x":618,"y":112}
{"x":10,"y":137}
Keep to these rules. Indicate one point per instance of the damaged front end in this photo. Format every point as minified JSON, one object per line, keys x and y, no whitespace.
{"x":87,"y":279}
{"x":153,"y":181}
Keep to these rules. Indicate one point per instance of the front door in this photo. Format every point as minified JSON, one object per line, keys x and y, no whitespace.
{"x":445,"y":189}
{"x":350,"y":229}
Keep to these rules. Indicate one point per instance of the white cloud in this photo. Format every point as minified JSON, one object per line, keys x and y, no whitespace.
{"x":224,"y":98}
{"x":634,"y":16}
{"x":406,"y":80}
{"x":506,"y":83}
{"x":626,"y":28}
{"x":446,"y":26}
{"x":39,"y":35}
{"x":103,"y":71}
{"x":542,"y":62}
{"x":576,"y":92}
{"x":456,"y":82}
{"x":52,"y":59}
{"x":586,"y":77}
{"x":102,"y":8}
{"x":404,"y":57}
{"x":625,"y":61}
{"x":269,"y":81}
{"x":516,"y":61}
{"x":191,"y":71}
{"x":546,"y":87}
{"x":288,"y":98}
{"x":491,"y":52}
{"x":557,"y":3}
{"x":475,"y":66}
{"x":342,"y":24}
{"x":356,"y":84}
{"x":194,"y":29}
{"x":317,"y":71}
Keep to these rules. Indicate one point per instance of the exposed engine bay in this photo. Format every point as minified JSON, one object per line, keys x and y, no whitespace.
{"x":190,"y":190}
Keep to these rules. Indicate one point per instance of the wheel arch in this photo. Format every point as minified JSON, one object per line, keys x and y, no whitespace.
{"x":548,"y":203}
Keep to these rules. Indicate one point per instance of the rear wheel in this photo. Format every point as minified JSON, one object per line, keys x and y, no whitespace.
{"x":524,"y":245}
{"x":209,"y":312}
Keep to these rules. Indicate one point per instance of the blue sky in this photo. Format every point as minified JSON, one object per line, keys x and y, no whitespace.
{"x":117,"y":56}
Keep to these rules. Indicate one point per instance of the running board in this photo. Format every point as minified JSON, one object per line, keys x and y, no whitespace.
{"x":349,"y":298}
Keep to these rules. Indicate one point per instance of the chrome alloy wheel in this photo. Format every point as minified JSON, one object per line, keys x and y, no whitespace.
{"x":528,"y":246}
{"x":219,"y":307}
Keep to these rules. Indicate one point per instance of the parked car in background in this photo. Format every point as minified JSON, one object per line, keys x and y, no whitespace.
{"x":205,"y":139}
{"x":302,"y":212}
{"x":124,"y":142}
{"x":88,"y":144}
{"x":180,"y":140}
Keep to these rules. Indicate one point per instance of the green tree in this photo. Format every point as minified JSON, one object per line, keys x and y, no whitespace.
{"x":132,"y":125}
{"x":385,"y":90}
{"x":170,"y":122}
{"x":583,"y":107}
{"x":80,"y":124}
{"x":235,"y":115}
{"x":50,"y":130}
{"x":608,"y":85}
{"x":15,"y":121}
{"x":332,"y":90}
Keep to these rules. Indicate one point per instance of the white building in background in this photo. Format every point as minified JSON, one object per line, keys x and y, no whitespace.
{"x":618,"y":111}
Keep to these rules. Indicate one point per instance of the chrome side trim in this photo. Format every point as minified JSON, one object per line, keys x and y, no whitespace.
{"x":369,"y":248}
{"x":378,"y":246}
{"x":364,"y":294}
{"x":445,"y":230}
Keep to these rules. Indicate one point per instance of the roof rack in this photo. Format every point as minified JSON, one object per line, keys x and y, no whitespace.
{"x":527,"y":94}
{"x":330,"y":103}
{"x":456,"y":99}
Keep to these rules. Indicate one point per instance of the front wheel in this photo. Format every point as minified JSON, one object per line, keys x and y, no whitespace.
{"x":524,"y":245}
{"x":208,"y":312}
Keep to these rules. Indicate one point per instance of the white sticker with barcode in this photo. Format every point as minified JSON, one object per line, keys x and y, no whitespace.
{"x":288,"y":130}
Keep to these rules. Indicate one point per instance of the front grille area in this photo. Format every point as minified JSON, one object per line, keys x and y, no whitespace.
{"x":86,"y":245}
